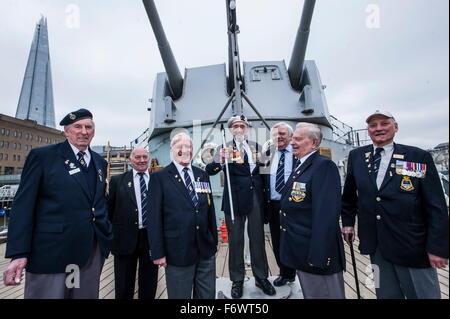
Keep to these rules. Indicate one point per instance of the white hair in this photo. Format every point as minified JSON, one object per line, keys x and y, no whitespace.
{"x":291,"y":131}
{"x":314,"y":131}
{"x":177,"y":136}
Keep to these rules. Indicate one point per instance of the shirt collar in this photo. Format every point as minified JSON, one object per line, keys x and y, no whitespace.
{"x":181,"y":167}
{"x":304,"y":158}
{"x":135,"y":173}
{"x":76,"y":150}
{"x":387,"y":148}
{"x":288,"y":149}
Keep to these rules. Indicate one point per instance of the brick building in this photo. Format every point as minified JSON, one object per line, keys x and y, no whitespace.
{"x":18,"y":137}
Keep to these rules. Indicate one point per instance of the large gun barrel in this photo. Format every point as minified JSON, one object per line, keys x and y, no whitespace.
{"x":295,"y":69}
{"x":173,"y":72}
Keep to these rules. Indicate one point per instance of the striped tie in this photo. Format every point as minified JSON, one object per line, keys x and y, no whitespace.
{"x":144,"y":195}
{"x":279,"y":183}
{"x":376,"y":161}
{"x":189,"y":186}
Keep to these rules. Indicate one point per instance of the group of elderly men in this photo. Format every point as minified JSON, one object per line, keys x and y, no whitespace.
{"x":66,"y":218}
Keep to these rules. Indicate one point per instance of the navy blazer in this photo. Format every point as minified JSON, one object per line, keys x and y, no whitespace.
{"x":268,"y":214}
{"x":123,"y":214}
{"x":243,"y":182}
{"x":310,"y":232}
{"x":177,"y":229}
{"x":54,"y":216}
{"x":404,"y":224}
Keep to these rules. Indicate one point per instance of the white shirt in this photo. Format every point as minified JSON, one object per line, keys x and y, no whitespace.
{"x":249,"y":153}
{"x":274,"y":195}
{"x":386,"y":155}
{"x":86,"y":157}
{"x":180,"y":170}
{"x":137,"y":192}
{"x":304,"y":158}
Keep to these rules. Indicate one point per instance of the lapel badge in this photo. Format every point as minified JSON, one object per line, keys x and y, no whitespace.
{"x":398,"y":156}
{"x":368,"y":154}
{"x":129,"y":184}
{"x":72,"y":166}
{"x":406,"y":184}
{"x":66,"y":162}
{"x":100,"y":175}
{"x":176,"y":176}
{"x":179,"y":180}
{"x":392,"y":165}
{"x":369,"y":165}
{"x":72,"y":116}
{"x":390,"y":174}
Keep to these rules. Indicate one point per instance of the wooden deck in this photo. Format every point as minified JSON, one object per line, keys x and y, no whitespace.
{"x":107,"y":279}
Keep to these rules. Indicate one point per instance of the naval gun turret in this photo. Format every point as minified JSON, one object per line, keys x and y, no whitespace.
{"x":265,"y":92}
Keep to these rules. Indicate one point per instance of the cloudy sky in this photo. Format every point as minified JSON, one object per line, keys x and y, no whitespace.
{"x":388,"y":54}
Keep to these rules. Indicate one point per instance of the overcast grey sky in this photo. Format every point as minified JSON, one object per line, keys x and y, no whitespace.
{"x":109,"y":61}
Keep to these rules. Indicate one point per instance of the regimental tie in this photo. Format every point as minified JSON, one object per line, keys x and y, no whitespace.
{"x":243,"y":152}
{"x":81,"y":159}
{"x":144,"y":198}
{"x":279,"y":181}
{"x":190,"y":187}
{"x":376,"y":160}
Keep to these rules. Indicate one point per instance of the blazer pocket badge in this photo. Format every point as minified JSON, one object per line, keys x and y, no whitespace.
{"x":298,"y":192}
{"x":406,"y":184}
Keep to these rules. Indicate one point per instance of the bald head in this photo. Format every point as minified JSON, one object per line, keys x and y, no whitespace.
{"x":139,"y":159}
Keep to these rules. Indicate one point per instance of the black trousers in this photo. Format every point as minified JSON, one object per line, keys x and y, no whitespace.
{"x":125,"y":271}
{"x":274,"y":223}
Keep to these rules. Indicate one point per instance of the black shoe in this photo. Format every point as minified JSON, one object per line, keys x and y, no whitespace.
{"x":281,"y":281}
{"x":266,"y":286}
{"x":236,"y":289}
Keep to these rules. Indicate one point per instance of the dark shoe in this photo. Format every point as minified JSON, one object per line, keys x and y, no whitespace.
{"x":236,"y":289}
{"x":281,"y":281}
{"x":266,"y":286}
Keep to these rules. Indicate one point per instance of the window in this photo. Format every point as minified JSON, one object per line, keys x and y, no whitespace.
{"x":5,"y":157}
{"x":14,"y":157}
{"x":16,"y":134}
{"x":27,"y":136}
{"x":19,"y":146}
{"x":7,"y":132}
{"x":9,"y":170}
{"x":2,"y":144}
{"x":18,"y":158}
{"x":19,"y":170}
{"x":6,"y":144}
{"x":3,"y":131}
{"x":14,"y":146}
{"x":20,"y":134}
{"x":1,"y":156}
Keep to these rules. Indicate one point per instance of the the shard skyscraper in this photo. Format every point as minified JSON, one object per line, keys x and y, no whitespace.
{"x":36,"y":96}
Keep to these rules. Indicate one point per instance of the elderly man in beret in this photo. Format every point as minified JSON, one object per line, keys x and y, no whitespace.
{"x":59,"y":231}
{"x":247,"y":194}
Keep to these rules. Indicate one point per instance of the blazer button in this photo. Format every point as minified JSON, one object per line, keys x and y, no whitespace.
{"x":135,"y":223}
{"x":378,"y":217}
{"x":284,"y":229}
{"x":93,"y":219}
{"x":281,"y":227}
{"x":135,"y":209}
{"x":198,"y":227}
{"x":93,"y":209}
{"x":251,"y":187}
{"x":378,"y":199}
{"x":196,"y":211}
{"x":284,"y":214}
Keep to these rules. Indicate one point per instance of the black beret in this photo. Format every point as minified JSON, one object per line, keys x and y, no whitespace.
{"x":75,"y":116}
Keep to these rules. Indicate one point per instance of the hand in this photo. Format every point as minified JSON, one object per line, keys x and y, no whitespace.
{"x":13,"y":275}
{"x":437,"y":262}
{"x":224,"y":152}
{"x":349,"y":234}
{"x":160,"y":262}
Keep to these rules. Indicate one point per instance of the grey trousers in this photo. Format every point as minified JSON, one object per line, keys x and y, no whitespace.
{"x":54,"y":286}
{"x":192,"y":282}
{"x":398,"y":282}
{"x":322,"y":287}
{"x":255,"y":227}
